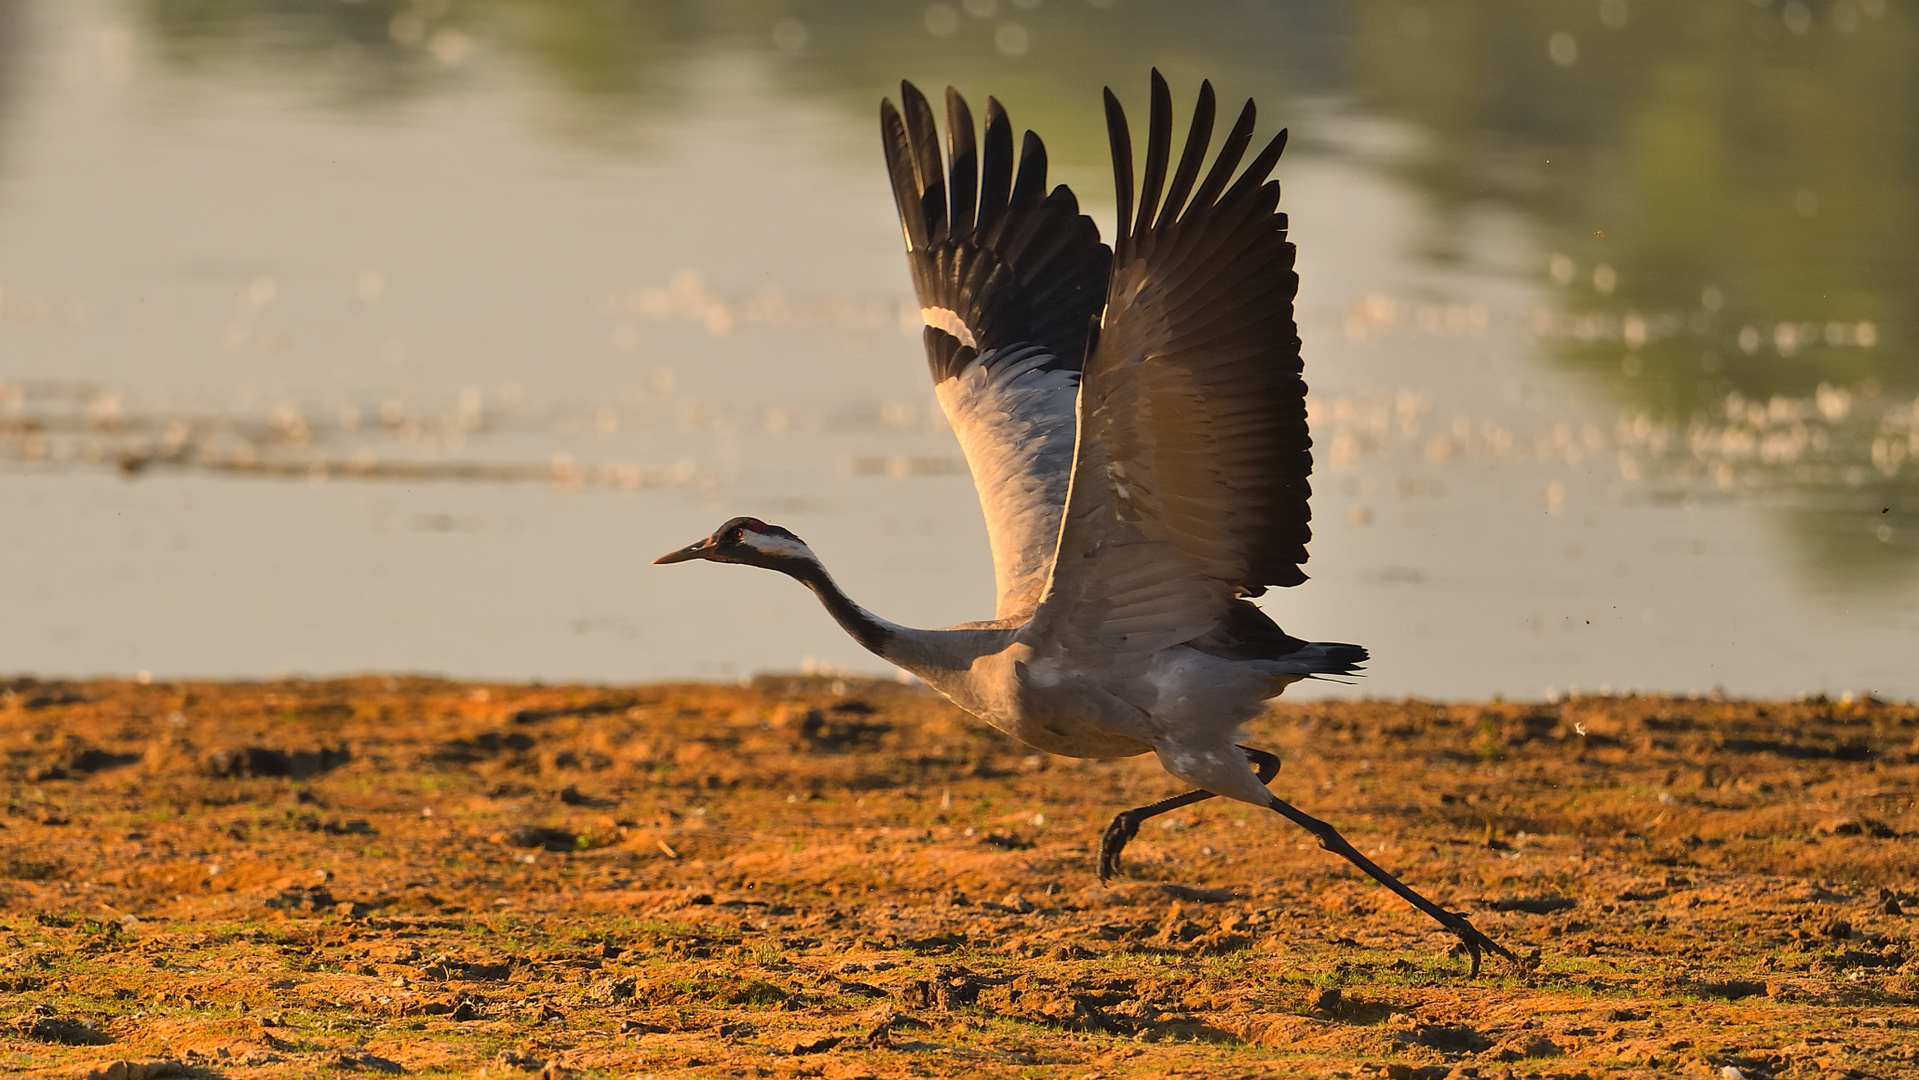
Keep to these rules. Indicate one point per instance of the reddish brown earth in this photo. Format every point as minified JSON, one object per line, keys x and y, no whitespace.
{"x":813,"y":878}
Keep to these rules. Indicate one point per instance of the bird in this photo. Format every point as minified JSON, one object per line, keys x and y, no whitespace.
{"x":1134,"y":418}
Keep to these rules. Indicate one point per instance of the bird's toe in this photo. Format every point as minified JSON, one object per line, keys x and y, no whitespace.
{"x":1473,"y":941}
{"x":1118,"y":833}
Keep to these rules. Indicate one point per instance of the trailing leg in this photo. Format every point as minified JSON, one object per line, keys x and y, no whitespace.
{"x":1330,"y":839}
{"x":1125,"y":824}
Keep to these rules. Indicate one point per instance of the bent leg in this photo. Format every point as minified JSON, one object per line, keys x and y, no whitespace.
{"x":1125,"y":824}
{"x":1330,"y":839}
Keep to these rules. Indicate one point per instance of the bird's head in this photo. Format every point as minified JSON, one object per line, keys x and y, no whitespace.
{"x":750,"y":541}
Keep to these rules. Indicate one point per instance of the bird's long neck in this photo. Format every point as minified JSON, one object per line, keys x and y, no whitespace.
{"x":873,"y":633}
{"x":937,"y":656}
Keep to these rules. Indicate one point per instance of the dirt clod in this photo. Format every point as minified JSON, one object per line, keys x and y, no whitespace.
{"x":519,"y":1059}
{"x":62,"y":1030}
{"x":141,"y":1070}
{"x":366,"y":1062}
{"x":1528,"y":1046}
{"x":1450,"y":1038}
{"x":542,"y":836}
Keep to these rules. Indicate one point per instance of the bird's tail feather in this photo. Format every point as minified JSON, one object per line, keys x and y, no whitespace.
{"x":1318,"y":658}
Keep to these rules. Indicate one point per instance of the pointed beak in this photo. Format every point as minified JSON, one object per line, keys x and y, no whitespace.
{"x":701,"y":550}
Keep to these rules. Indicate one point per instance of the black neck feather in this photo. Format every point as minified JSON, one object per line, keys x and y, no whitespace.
{"x":872,"y":634}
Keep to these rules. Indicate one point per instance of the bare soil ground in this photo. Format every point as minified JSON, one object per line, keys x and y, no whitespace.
{"x":807,"y":877}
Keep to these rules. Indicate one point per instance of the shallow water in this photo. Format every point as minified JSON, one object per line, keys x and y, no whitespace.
{"x":339,"y":336}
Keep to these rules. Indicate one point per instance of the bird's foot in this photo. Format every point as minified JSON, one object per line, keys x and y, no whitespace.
{"x":1471,"y":941}
{"x":1125,"y":826}
{"x":1119,"y":832}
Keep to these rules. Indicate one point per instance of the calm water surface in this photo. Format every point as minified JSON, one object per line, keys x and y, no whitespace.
{"x":343,"y":335}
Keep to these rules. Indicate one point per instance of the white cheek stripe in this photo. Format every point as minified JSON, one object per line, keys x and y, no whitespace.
{"x":948,"y":320}
{"x":773,"y":544}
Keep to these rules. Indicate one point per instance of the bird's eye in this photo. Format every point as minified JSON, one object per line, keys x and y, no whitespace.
{"x":738,"y":535}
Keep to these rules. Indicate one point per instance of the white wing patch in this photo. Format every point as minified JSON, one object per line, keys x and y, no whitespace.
{"x":948,"y":320}
{"x":1016,"y":420}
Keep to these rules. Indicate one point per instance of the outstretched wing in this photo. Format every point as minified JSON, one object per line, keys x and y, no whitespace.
{"x":1190,"y":480}
{"x":1010,"y":279}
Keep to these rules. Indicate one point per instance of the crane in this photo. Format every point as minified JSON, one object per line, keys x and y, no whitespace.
{"x":1134,"y":418}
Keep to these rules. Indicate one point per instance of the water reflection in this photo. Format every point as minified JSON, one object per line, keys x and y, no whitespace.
{"x":1727,"y":194}
{"x":1625,"y":265}
{"x":1725,"y":191}
{"x":609,"y":57}
{"x":13,"y":45}
{"x":347,"y":48}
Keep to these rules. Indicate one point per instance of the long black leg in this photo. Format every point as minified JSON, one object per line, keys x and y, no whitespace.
{"x":1330,"y":839}
{"x":1125,"y":824}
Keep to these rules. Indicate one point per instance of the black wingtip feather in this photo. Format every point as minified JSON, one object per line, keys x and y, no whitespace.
{"x":1122,"y":142}
{"x":899,"y":168}
{"x":1261,"y":168}
{"x":1029,"y":186}
{"x":923,"y":136}
{"x":963,"y":174}
{"x":1197,"y":139}
{"x":996,"y":166}
{"x":1159,"y":145}
{"x":1230,"y":151}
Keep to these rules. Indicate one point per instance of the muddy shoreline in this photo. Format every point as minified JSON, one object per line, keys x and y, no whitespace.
{"x":815,"y":877}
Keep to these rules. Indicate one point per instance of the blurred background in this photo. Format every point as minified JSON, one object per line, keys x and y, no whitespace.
{"x":345,"y":335}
